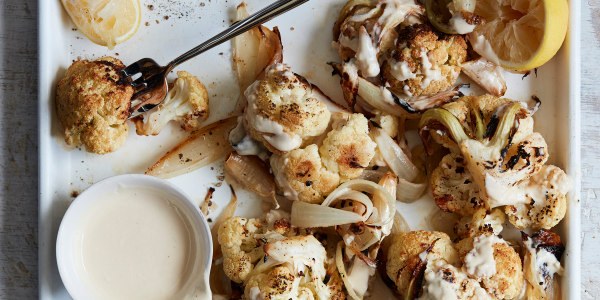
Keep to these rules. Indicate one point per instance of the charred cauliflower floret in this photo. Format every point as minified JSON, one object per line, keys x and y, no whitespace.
{"x":284,"y":109}
{"x":311,"y":173}
{"x":453,"y":187}
{"x":186,"y":102}
{"x":300,"y":175}
{"x":348,"y":149}
{"x":546,"y":200}
{"x":409,"y":249}
{"x":424,"y":62}
{"x":481,"y":222}
{"x":378,"y":20}
{"x":241,"y":242}
{"x":491,"y":261}
{"x":495,"y":139}
{"x":293,"y":268}
{"x":443,"y":281}
{"x":92,"y":104}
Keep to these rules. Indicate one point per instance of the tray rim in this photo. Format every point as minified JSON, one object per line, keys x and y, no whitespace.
{"x":573,"y":248}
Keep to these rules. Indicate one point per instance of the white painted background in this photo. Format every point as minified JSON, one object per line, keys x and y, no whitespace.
{"x":19,"y":162}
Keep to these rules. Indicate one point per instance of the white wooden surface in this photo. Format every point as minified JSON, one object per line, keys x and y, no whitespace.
{"x":18,"y":149}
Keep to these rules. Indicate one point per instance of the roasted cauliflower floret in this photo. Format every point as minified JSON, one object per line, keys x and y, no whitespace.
{"x":453,"y":187}
{"x":348,"y":149}
{"x":546,"y":200}
{"x":278,"y":283}
{"x":491,"y":261}
{"x":92,"y":104}
{"x":186,"y":102}
{"x":242,"y":239}
{"x":480,"y":223}
{"x":496,"y":141}
{"x":310,"y":174}
{"x":293,"y":268}
{"x":424,"y":62}
{"x":284,"y":109}
{"x":379,"y":20}
{"x":300,"y":175}
{"x":443,"y":281}
{"x":409,"y":249}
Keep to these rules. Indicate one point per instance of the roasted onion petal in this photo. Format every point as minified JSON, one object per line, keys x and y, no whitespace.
{"x":447,"y":119}
{"x":384,"y":100}
{"x":409,"y":192}
{"x":504,"y":129}
{"x":254,"y":50}
{"x":394,"y":156}
{"x":252,"y":174}
{"x":339,"y":262}
{"x":200,"y":149}
{"x":345,"y":13}
{"x":307,"y":215}
{"x":487,"y":75}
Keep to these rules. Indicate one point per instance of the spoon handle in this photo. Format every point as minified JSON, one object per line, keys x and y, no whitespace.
{"x":238,"y":28}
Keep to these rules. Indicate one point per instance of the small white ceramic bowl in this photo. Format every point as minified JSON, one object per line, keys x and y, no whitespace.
{"x":197,"y":283}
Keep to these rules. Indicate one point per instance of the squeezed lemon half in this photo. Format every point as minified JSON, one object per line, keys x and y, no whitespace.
{"x":105,"y":22}
{"x":522,"y":35}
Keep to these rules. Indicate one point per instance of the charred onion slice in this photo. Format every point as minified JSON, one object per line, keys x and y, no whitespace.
{"x":346,"y":11}
{"x":487,"y":75}
{"x":308,"y":215}
{"x":394,"y":156}
{"x":447,"y":119}
{"x":254,"y":50}
{"x":339,"y":262}
{"x":252,"y":173}
{"x":505,"y":128}
{"x":200,"y":149}
{"x":441,"y":13}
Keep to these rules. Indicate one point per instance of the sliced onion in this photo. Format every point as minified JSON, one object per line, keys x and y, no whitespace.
{"x":487,"y":75}
{"x":314,"y":215}
{"x":447,"y":119}
{"x":307,"y":215}
{"x":339,"y":262}
{"x":207,"y":201}
{"x":409,"y":192}
{"x":252,"y":174}
{"x":384,"y":100}
{"x":504,"y":129}
{"x":254,"y":50}
{"x":393,"y":155}
{"x":345,"y":13}
{"x":400,"y":224}
{"x":198,"y":150}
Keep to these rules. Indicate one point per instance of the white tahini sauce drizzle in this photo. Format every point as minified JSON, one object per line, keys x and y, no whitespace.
{"x":401,"y":70}
{"x":272,"y":131}
{"x":366,"y":56}
{"x":430,"y":72}
{"x":460,"y":25}
{"x":545,"y":262}
{"x":480,"y":261}
{"x":281,"y":179}
{"x":434,"y":285}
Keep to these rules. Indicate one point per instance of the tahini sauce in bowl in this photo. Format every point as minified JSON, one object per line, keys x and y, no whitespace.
{"x":134,"y":237}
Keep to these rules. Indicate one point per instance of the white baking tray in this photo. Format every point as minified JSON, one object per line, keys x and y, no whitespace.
{"x":306,"y":35}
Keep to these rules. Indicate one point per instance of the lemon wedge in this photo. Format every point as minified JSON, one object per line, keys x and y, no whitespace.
{"x":105,"y":22}
{"x":520,"y":35}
